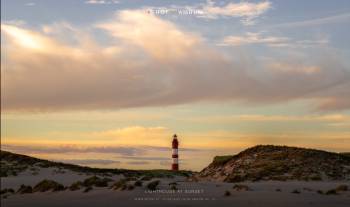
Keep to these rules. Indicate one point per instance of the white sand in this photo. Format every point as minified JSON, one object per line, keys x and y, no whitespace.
{"x":211,"y":193}
{"x":27,"y":177}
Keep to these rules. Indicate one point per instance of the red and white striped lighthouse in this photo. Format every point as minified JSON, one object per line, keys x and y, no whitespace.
{"x":175,"y":156}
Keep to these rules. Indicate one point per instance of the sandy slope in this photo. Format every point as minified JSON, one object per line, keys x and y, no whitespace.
{"x":211,"y":193}
{"x":65,"y":177}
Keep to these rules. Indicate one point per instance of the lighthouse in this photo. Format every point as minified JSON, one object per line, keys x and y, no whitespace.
{"x":175,"y":155}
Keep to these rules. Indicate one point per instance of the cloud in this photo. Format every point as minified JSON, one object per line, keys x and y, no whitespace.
{"x":149,"y":61}
{"x":126,"y":152}
{"x":272,"y":41}
{"x":146,"y":158}
{"x":30,"y":4}
{"x":184,"y":149}
{"x":226,"y":139}
{"x":30,"y":40}
{"x":156,"y":136}
{"x":165,"y":163}
{"x":335,"y":98}
{"x":133,"y":131}
{"x":254,"y":38}
{"x":89,"y":161}
{"x":162,"y":39}
{"x":329,"y":118}
{"x":246,"y":10}
{"x":102,"y":2}
{"x":61,"y":149}
{"x":138,"y":163}
{"x":288,"y":68}
{"x":345,"y":17}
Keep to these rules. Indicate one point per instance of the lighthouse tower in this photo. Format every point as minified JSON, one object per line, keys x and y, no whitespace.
{"x":175,"y":156}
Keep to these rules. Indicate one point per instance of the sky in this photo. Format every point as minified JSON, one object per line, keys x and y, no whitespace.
{"x":107,"y":83}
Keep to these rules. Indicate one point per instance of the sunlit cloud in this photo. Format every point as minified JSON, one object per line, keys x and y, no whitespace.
{"x":102,"y":2}
{"x":331,"y":118}
{"x":29,"y":148}
{"x":26,"y":39}
{"x":338,"y":18}
{"x":156,"y":136}
{"x":287,"y":68}
{"x":150,"y":62}
{"x":253,"y":38}
{"x":272,"y":41}
{"x":246,"y":10}
{"x":160,"y":38}
{"x":89,"y":162}
{"x":30,"y":4}
{"x":35,"y":44}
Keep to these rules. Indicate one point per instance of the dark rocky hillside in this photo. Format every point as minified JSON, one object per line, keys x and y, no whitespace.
{"x":268,"y":162}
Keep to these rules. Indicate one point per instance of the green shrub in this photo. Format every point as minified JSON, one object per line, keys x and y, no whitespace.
{"x":221,"y":160}
{"x":131,"y":179}
{"x":320,"y":192}
{"x":331,"y":192}
{"x":47,"y":185}
{"x":120,"y":185}
{"x":7,"y":190}
{"x":87,"y":189}
{"x":235,"y":178}
{"x":239,"y":187}
{"x":296,"y":191}
{"x":341,"y":188}
{"x":130,"y":187}
{"x":138,"y":183}
{"x":96,"y":181}
{"x":153,"y":185}
{"x":25,"y":189}
{"x":146,"y":178}
{"x":315,"y":177}
{"x":307,"y":189}
{"x":76,"y":186}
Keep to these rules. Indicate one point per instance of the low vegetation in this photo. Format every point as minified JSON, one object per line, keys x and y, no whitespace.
{"x":221,"y":160}
{"x":173,"y":186}
{"x":153,"y":185}
{"x":345,"y":153}
{"x":320,"y":192}
{"x":240,"y":187}
{"x":138,"y":183}
{"x":87,"y":189}
{"x":11,"y":169}
{"x":96,"y":181}
{"x":341,"y":188}
{"x":122,"y":184}
{"x":331,"y":192}
{"x":296,"y":191}
{"x":23,"y":189}
{"x":268,"y":162}
{"x":48,"y":185}
{"x":76,"y":186}
{"x":6,"y":192}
